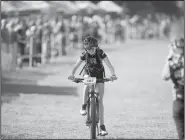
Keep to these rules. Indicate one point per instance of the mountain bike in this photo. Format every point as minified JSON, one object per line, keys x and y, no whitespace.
{"x":92,"y":103}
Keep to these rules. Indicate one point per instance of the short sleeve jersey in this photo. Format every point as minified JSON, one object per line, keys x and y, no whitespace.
{"x":93,"y":59}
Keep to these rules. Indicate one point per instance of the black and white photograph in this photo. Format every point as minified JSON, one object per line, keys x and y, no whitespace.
{"x":92,"y":69}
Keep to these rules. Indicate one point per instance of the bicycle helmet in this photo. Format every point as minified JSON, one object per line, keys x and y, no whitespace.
{"x":90,"y":42}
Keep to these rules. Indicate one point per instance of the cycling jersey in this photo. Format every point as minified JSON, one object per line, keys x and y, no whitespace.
{"x":94,"y":66}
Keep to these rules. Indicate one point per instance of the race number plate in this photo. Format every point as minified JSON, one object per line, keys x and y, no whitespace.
{"x":90,"y":80}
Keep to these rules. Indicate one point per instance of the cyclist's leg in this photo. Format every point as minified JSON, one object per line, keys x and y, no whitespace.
{"x":85,"y":91}
{"x":100,"y":90}
{"x":85,"y":97}
{"x":84,"y":105}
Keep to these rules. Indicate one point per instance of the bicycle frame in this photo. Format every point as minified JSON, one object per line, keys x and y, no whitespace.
{"x":92,"y":103}
{"x":93,"y":111}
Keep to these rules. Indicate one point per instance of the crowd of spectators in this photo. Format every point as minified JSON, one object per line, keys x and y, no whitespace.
{"x":52,"y":36}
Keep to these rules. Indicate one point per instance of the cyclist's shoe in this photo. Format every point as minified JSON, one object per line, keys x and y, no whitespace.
{"x":83,"y":111}
{"x":103,"y":131}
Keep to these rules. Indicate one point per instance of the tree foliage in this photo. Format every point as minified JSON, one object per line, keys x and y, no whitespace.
{"x":143,"y":7}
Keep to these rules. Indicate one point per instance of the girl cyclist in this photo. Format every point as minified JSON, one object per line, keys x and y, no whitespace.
{"x":93,"y":57}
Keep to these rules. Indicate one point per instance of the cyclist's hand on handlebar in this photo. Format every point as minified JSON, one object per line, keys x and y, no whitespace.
{"x":71,"y":77}
{"x":113,"y":77}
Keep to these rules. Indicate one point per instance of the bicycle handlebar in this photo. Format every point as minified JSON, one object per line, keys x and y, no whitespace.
{"x":80,"y":80}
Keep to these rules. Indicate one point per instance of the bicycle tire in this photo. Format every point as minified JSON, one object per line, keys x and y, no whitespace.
{"x":93,"y":118}
{"x":88,"y":114}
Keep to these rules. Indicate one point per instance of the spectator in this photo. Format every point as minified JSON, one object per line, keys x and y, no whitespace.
{"x":21,"y":43}
{"x":64,"y":37}
{"x":118,"y":31}
{"x":73,"y":32}
{"x":4,"y":36}
{"x":46,"y":49}
{"x":12,"y":43}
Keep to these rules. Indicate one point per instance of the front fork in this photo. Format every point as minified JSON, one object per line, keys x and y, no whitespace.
{"x":97,"y":105}
{"x":88,"y":106}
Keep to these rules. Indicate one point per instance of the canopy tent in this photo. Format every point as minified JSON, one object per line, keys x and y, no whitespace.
{"x":7,"y":7}
{"x":86,"y":4}
{"x":20,"y":5}
{"x":25,"y":8}
{"x":110,"y":6}
{"x":37,"y":5}
{"x":8,"y":10}
{"x":66,"y":7}
{"x":71,"y":6}
{"x":88,"y":8}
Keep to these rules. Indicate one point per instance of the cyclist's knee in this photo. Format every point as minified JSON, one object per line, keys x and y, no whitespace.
{"x":101,"y":101}
{"x":100,"y":88}
{"x":85,"y":89}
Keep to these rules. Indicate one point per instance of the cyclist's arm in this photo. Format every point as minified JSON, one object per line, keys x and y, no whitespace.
{"x":109,"y":65}
{"x":166,"y":71}
{"x":78,"y":63}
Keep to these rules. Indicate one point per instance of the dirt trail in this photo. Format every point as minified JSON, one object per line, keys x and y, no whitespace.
{"x":137,"y":105}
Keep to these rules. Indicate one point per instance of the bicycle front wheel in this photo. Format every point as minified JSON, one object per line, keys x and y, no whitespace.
{"x":93,"y":118}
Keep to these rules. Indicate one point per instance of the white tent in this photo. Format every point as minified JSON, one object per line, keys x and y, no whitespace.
{"x":86,"y":5}
{"x":66,"y":6}
{"x":70,"y":5}
{"x":88,"y":8}
{"x":22,"y":5}
{"x":110,"y":6}
{"x":7,"y":7}
{"x":37,"y":5}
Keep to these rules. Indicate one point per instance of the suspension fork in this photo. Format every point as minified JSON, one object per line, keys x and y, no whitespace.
{"x":97,"y":110}
{"x":92,"y":89}
{"x":96,"y":99}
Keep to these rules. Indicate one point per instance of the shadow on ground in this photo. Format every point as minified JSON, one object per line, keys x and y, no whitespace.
{"x":30,"y":89}
{"x":12,"y":91}
{"x":25,"y":76}
{"x":24,"y":82}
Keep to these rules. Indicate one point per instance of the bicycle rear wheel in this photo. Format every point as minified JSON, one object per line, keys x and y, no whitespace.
{"x":93,"y":118}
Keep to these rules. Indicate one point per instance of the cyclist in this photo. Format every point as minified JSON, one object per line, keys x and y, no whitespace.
{"x":93,"y":57}
{"x":174,"y":70}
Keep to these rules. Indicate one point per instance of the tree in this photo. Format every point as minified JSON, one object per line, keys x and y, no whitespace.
{"x":144,"y":7}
